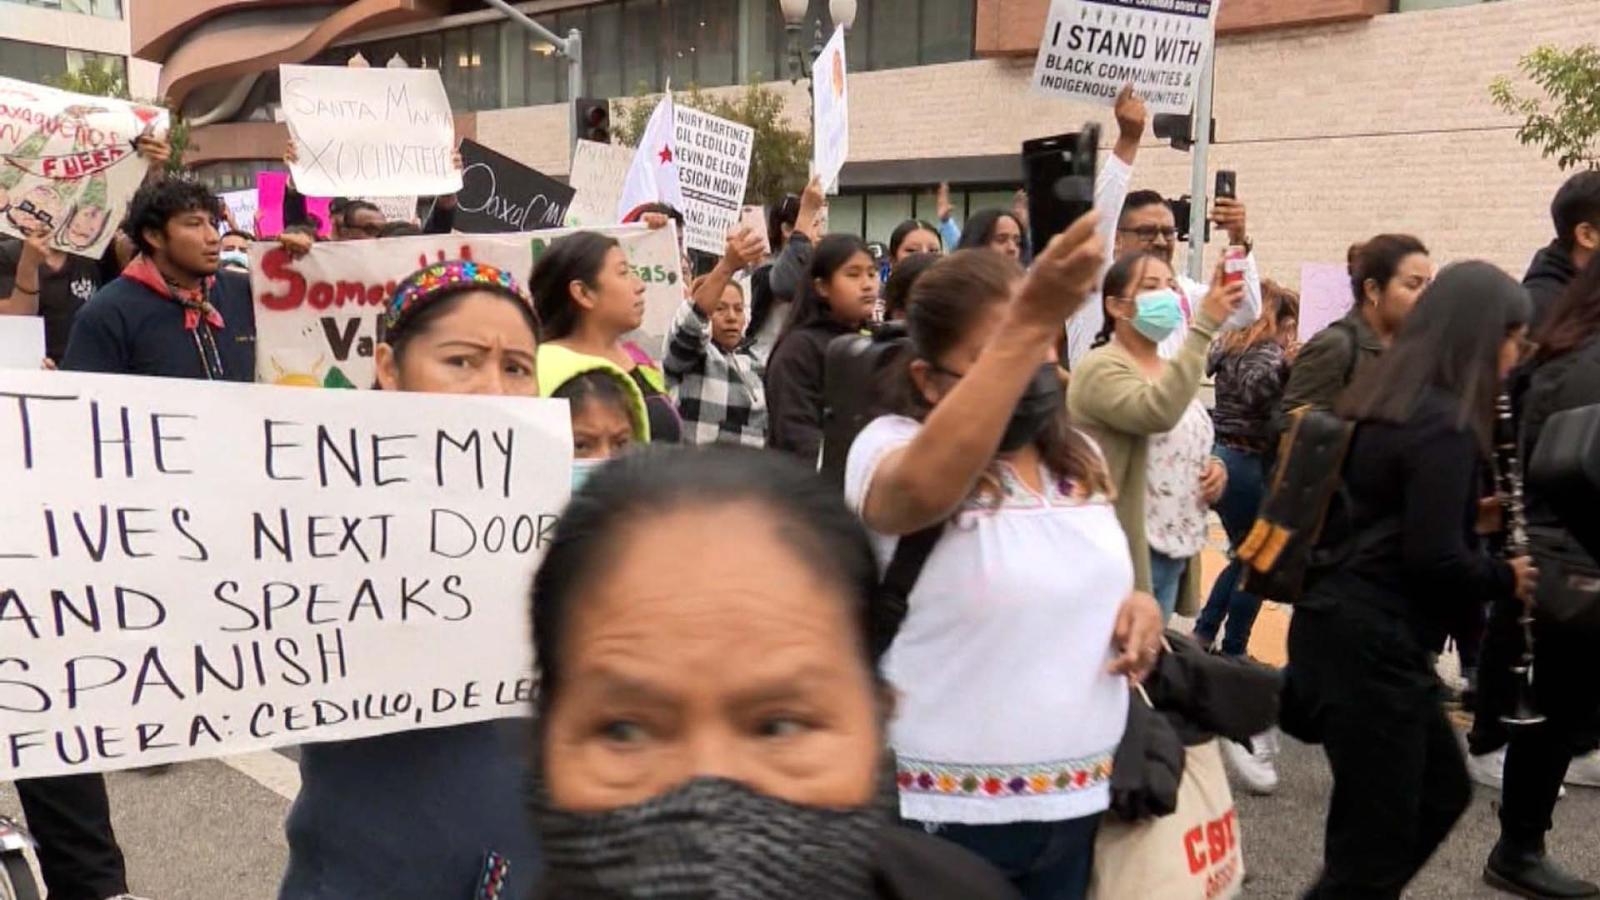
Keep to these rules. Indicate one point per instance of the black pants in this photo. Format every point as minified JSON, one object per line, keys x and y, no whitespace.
{"x":70,"y":816}
{"x":1360,"y":681}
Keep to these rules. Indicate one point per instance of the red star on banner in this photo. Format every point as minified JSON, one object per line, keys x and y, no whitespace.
{"x":666,"y":155}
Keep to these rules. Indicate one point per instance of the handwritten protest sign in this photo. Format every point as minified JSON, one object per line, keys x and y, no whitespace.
{"x":67,"y":163}
{"x":1324,"y":296}
{"x":713,"y":168}
{"x":242,"y":206}
{"x":318,"y":317}
{"x":21,"y":342}
{"x":227,"y":568}
{"x":830,"y":112}
{"x":270,"y":188}
{"x":499,"y":194}
{"x":598,"y":173}
{"x":383,"y":132}
{"x":1091,"y":48}
{"x":395,"y":209}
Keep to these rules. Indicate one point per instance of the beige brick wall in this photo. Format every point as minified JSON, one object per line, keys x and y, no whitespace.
{"x":1337,"y":132}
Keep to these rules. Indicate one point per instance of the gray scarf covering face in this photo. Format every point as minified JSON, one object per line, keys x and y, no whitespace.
{"x":709,"y":838}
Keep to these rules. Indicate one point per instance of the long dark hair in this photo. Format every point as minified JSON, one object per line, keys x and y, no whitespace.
{"x":897,"y":293}
{"x":579,"y":256}
{"x":980,"y":228}
{"x":945,"y":302}
{"x":1450,"y":342}
{"x":656,"y":480}
{"x":830,"y":255}
{"x":1122,"y":275}
{"x":908,"y":228}
{"x":1575,"y":319}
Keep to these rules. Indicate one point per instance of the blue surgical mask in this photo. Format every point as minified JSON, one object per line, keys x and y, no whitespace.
{"x":237,"y":258}
{"x":582,"y":469}
{"x":1158,"y":314}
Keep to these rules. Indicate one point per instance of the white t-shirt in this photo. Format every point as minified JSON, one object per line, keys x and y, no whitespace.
{"x":1174,"y":514}
{"x":1004,"y":711}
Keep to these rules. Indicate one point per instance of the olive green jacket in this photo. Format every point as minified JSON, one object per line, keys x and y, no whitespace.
{"x":1113,"y":399}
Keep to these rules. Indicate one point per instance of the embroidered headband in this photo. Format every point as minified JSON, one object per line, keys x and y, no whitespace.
{"x":424,"y":285}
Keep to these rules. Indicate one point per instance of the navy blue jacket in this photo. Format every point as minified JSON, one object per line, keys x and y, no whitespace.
{"x":128,"y":329}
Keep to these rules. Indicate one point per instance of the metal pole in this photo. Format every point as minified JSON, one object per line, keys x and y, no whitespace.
{"x":574,"y":83}
{"x":521,"y":18}
{"x":1197,"y":183}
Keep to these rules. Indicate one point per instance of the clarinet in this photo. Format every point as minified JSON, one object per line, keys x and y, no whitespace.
{"x":1508,"y":478}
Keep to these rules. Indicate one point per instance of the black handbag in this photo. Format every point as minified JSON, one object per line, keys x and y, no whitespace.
{"x":1565,"y":470}
{"x":1568,"y":592}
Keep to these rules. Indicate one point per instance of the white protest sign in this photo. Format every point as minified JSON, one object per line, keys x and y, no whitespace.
{"x":67,"y":163}
{"x":318,"y":317}
{"x":377,"y":132}
{"x":395,"y":209}
{"x":598,"y":173}
{"x":713,"y":168}
{"x":217,"y":568}
{"x":1091,"y":48}
{"x":242,"y":206}
{"x":830,"y":112}
{"x":21,"y":342}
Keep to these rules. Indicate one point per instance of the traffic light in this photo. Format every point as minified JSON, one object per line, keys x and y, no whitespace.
{"x":594,"y":120}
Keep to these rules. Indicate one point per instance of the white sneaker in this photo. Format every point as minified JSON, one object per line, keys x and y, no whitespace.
{"x":1255,"y":766}
{"x":1584,"y":771}
{"x":1488,"y":769}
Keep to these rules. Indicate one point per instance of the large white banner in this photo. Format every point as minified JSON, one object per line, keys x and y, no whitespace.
{"x":1091,"y":48}
{"x":713,"y":168}
{"x":67,"y":163}
{"x":318,"y":317}
{"x":598,"y":171}
{"x":199,"y":569}
{"x":369,"y":132}
{"x":831,"y":112}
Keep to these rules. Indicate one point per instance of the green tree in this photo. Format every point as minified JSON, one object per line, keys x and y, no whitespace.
{"x":98,"y":80}
{"x":780,"y":155}
{"x":1569,"y":129}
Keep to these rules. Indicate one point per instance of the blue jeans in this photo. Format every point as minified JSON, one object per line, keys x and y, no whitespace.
{"x":1238,"y":507}
{"x":1166,"y":579}
{"x":1042,"y":860}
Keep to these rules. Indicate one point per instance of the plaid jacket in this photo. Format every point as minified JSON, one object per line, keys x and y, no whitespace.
{"x":719,"y":393}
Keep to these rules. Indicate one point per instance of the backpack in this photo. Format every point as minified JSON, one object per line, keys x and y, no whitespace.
{"x":855,"y":378}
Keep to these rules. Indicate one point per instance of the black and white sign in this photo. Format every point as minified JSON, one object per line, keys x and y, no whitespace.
{"x":713,"y":167}
{"x":1091,"y":48}
{"x":499,"y":194}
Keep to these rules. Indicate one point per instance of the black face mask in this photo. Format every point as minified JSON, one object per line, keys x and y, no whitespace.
{"x":709,"y":838}
{"x":1035,"y":408}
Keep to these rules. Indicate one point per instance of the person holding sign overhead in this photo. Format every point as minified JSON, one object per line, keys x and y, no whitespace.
{"x":433,"y":814}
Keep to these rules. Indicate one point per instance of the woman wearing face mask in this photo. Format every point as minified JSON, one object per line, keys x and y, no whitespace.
{"x":994,"y":229}
{"x":838,"y":300}
{"x":1360,"y":675}
{"x":417,"y":815}
{"x":588,"y":298}
{"x":717,"y":732}
{"x":608,"y":412}
{"x":1008,"y":664}
{"x":1126,"y":394}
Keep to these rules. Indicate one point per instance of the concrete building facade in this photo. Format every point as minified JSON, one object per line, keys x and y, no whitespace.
{"x":42,"y":39}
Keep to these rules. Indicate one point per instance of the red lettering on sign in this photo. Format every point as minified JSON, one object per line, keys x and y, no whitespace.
{"x":321,"y":295}
{"x":278,"y":266}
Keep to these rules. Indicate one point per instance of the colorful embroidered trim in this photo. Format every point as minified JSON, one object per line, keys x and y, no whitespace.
{"x":427,"y":283}
{"x":923,"y":777}
{"x":492,"y":884}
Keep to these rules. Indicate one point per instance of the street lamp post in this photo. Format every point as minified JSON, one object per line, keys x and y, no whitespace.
{"x":570,"y":47}
{"x":843,"y":12}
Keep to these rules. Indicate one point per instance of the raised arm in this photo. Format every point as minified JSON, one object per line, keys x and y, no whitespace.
{"x":19,"y":275}
{"x":1111,"y":185}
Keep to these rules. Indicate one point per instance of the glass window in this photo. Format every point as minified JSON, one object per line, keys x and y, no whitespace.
{"x":845,"y":213}
{"x":603,"y":52}
{"x":642,"y":41}
{"x":884,"y":212}
{"x":682,"y":20}
{"x":486,"y":67}
{"x":514,"y":54}
{"x":717,"y":43}
{"x":31,"y":62}
{"x":890,"y":34}
{"x":765,"y":57}
{"x":108,"y":9}
{"x":946,"y":33}
{"x":430,"y":51}
{"x":981,"y":200}
{"x":457,"y":69}
{"x":539,"y":78}
{"x":926,"y":207}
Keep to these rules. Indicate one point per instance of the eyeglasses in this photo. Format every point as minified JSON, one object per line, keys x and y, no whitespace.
{"x":1149,"y":233}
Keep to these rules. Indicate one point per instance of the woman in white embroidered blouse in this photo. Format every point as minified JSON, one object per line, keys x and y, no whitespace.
{"x":1011,"y":665}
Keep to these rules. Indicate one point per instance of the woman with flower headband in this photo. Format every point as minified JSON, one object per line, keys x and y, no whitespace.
{"x":434,"y":814}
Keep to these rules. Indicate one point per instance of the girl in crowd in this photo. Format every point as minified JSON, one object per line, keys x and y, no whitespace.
{"x":787,"y":276}
{"x":1130,"y":399}
{"x":1360,"y":677}
{"x":608,"y":412}
{"x":1007,"y":667}
{"x":838,"y":299}
{"x":588,"y":297}
{"x":416,"y":815}
{"x":1249,"y":367}
{"x":996,"y":229}
{"x":911,"y":237}
{"x":897,"y":293}
{"x":1565,"y":374}
{"x":715,"y":731}
{"x":1387,"y":275}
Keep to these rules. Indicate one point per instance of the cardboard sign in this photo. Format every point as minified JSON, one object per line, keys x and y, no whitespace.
{"x":21,"y":342}
{"x":67,"y":163}
{"x":713,"y":168}
{"x":211,"y":569}
{"x":270,"y":188}
{"x":598,"y":173}
{"x":499,"y":194}
{"x":1325,"y":297}
{"x":1091,"y":48}
{"x":318,"y":318}
{"x":380,"y":132}
{"x":831,"y":112}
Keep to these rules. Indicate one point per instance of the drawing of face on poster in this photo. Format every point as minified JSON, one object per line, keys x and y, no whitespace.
{"x":88,"y":217}
{"x":40,"y":207}
{"x":838,"y":74}
{"x":11,"y":172}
